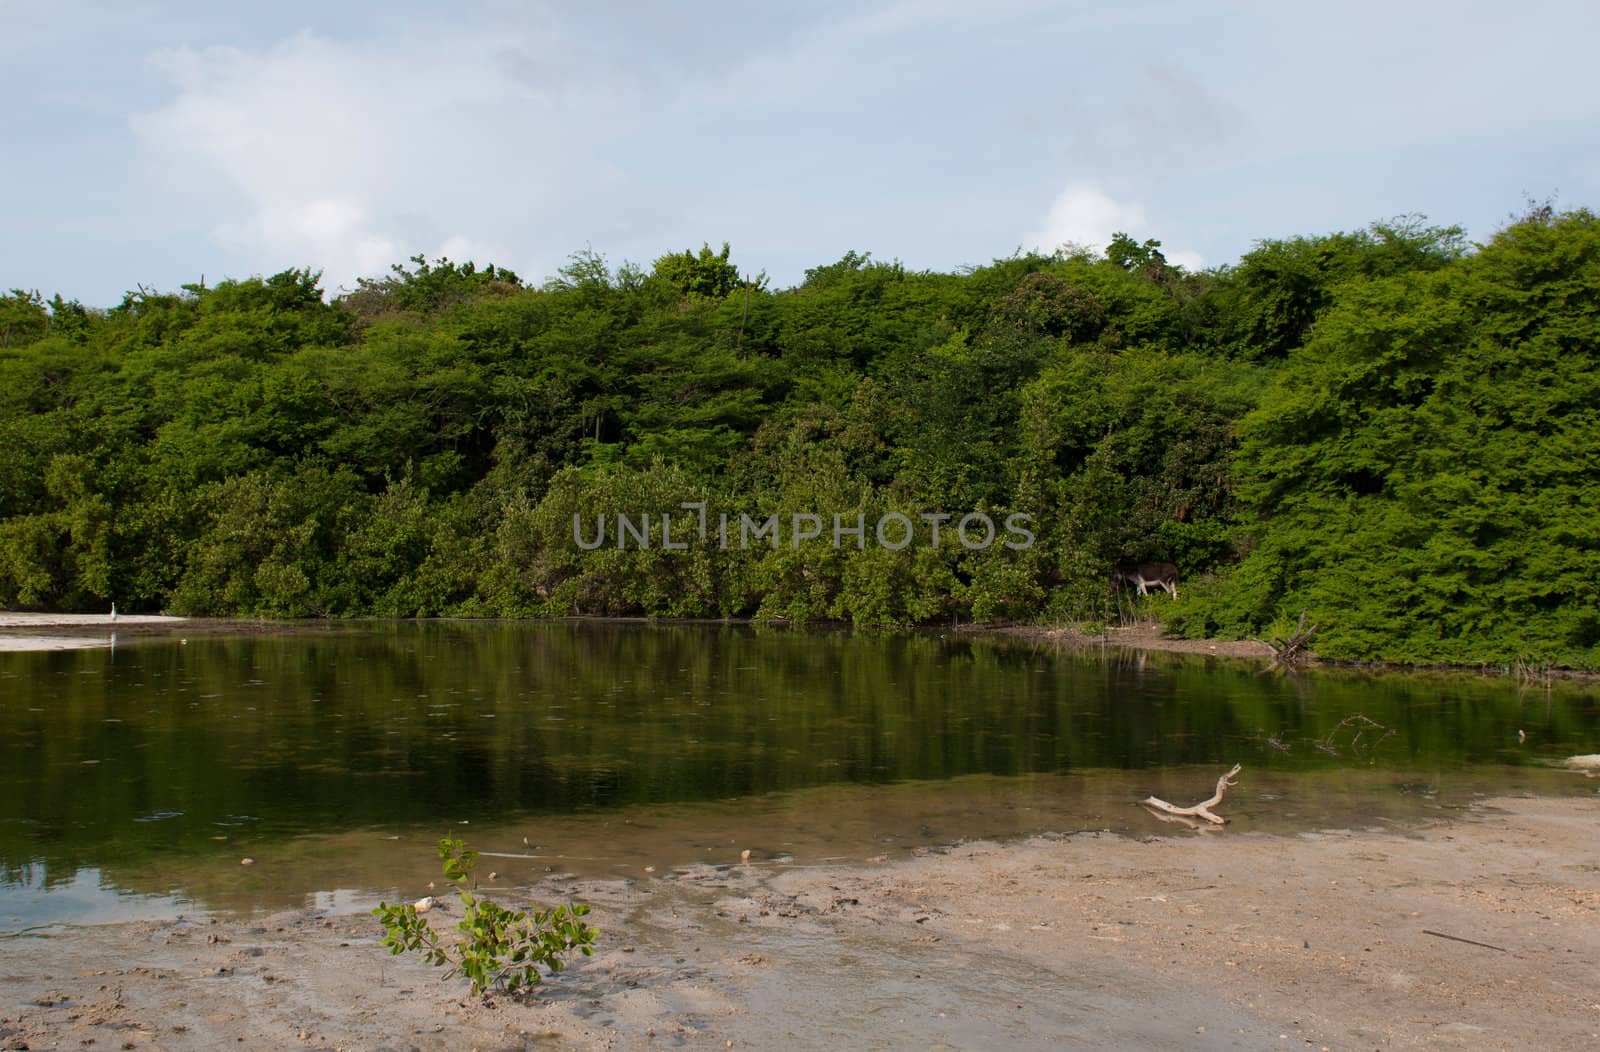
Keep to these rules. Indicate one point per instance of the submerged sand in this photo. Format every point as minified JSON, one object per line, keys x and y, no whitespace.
{"x":1479,"y":932}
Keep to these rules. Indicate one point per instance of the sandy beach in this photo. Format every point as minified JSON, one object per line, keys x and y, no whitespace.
{"x":26,"y":632}
{"x":1478,"y":932}
{"x":16,"y":620}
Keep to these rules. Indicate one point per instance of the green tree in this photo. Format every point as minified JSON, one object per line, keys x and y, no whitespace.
{"x":706,"y":273}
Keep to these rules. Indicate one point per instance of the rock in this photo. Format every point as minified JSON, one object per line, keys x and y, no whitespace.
{"x":247,"y":862}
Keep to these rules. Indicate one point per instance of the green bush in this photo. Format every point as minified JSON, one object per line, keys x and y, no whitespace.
{"x":498,"y":947}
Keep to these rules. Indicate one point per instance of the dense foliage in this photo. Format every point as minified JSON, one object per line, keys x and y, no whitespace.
{"x":1391,"y":428}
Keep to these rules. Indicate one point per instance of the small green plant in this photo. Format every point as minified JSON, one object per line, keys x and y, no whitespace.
{"x":498,"y":947}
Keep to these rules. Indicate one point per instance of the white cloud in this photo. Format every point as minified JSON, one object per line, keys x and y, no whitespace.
{"x":1186,"y":258}
{"x":1084,"y":216}
{"x":352,"y":155}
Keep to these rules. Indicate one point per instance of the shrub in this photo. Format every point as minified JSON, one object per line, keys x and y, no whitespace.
{"x":498,"y":947}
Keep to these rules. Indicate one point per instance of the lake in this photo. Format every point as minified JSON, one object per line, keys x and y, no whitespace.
{"x":133,"y":780}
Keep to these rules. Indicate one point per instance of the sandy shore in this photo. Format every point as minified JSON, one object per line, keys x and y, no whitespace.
{"x":15,"y":620}
{"x":1477,"y":933}
{"x":23,"y":632}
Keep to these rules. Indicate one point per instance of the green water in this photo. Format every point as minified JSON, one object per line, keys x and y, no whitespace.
{"x":135,"y":769}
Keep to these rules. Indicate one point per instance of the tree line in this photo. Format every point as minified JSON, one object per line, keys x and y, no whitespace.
{"x":1392,"y":428}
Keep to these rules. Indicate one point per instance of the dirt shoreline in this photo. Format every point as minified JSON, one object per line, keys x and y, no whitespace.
{"x":1144,"y":636}
{"x":1479,"y":932}
{"x":1147,"y":636}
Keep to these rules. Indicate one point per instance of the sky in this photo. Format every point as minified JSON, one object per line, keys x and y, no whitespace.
{"x":157,"y":144}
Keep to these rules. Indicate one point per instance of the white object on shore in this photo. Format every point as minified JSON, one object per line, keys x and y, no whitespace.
{"x":1589,"y":762}
{"x":113,"y":611}
{"x":423,"y":905}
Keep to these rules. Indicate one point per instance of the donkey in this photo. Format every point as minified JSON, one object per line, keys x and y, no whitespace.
{"x":1143,"y":575}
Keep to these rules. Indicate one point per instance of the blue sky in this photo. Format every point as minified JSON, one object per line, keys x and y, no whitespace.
{"x":155,"y":143}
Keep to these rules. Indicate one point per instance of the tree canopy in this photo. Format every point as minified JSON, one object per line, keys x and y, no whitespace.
{"x":1391,"y":428}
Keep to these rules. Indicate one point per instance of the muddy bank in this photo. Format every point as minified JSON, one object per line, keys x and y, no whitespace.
{"x":1475,"y":933}
{"x":1145,"y":636}
{"x":1148,"y":636}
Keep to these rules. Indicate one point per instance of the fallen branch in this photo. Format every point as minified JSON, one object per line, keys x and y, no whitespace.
{"x":1469,"y":942}
{"x":1289,"y":653}
{"x":1203,"y":808}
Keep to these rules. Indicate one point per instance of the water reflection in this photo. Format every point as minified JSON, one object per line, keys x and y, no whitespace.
{"x":135,"y":761}
{"x":30,"y":901}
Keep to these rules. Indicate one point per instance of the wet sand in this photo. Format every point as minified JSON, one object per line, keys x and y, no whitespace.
{"x":1476,"y":932}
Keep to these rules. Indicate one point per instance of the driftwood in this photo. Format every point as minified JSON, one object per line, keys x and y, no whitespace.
{"x":1184,"y":820}
{"x":1289,"y":653}
{"x":1589,"y":765}
{"x":1203,"y":808}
